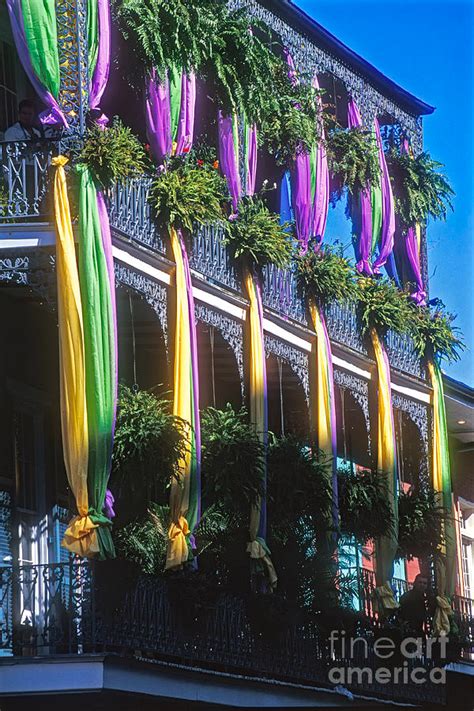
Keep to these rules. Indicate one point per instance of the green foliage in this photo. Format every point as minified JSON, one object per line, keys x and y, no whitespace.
{"x":257,"y":236}
{"x":205,"y":37}
{"x":420,"y":523}
{"x":325,"y":275}
{"x":353,"y":160}
{"x":144,"y":540}
{"x":188,"y":191}
{"x":363,"y":504}
{"x":292,"y":117}
{"x":420,"y":189}
{"x":232,"y":459}
{"x":433,"y":334}
{"x":149,"y":442}
{"x":112,"y":154}
{"x":298,"y":486}
{"x":381,"y":305}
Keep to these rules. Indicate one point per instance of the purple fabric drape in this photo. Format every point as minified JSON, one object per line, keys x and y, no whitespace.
{"x":364,"y":209}
{"x":388,"y":208}
{"x":412,"y":252}
{"x":300,"y":173}
{"x":321,"y":195}
{"x":53,"y":115}
{"x":185,"y":134}
{"x":158,"y":119}
{"x":252,"y":155}
{"x":228,"y":157}
{"x":102,"y":67}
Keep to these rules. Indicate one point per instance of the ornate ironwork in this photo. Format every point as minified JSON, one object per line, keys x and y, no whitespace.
{"x":210,"y":257}
{"x":280,"y":293}
{"x":419,"y":415}
{"x":154,"y":293}
{"x":24,"y":179}
{"x":359,"y":389}
{"x":71,"y":17}
{"x":310,"y":58}
{"x":343,"y":326}
{"x":230,"y":329}
{"x":297,"y":360}
{"x":75,"y":607}
{"x":130,"y":213}
{"x":402,"y":355}
{"x":35,"y":270}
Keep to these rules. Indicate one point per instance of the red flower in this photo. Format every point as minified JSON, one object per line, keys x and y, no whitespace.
{"x":200,"y":163}
{"x":147,"y":147}
{"x":186,"y":149}
{"x":215,"y":165}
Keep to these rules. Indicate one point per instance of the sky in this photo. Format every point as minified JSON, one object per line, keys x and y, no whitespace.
{"x":426,"y":46}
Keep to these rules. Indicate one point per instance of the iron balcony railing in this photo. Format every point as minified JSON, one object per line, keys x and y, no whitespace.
{"x":78,"y":608}
{"x":24,"y":179}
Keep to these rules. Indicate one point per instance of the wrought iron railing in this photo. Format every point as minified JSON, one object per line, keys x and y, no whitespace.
{"x":24,"y":179}
{"x":280,"y":293}
{"x":210,"y":257}
{"x":130,"y":213}
{"x":76,"y":607}
{"x":402,"y":354}
{"x":343,"y":326}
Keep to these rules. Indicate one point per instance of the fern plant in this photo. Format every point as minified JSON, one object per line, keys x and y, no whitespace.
{"x":433,"y":334}
{"x":292,"y":118}
{"x":364,"y":509}
{"x":420,"y":523}
{"x":353,"y":160}
{"x":113,"y":154}
{"x":232,"y":460}
{"x":149,"y":442}
{"x":325,"y":275}
{"x":187,"y":191}
{"x":420,"y":189}
{"x":144,"y":540}
{"x":381,"y":305}
{"x":257,"y":237}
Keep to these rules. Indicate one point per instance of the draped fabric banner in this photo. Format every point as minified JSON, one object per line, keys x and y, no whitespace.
{"x":319,"y":180}
{"x":158,"y":117}
{"x":250,"y":157}
{"x":386,"y":547}
{"x":388,"y":207}
{"x":257,"y":547}
{"x":185,"y":493}
{"x":33,"y":24}
{"x":99,"y":341}
{"x":445,"y":566}
{"x":80,"y":536}
{"x":361,"y":209}
{"x":302,"y":197}
{"x":229,"y":155}
{"x":99,"y":51}
{"x":324,"y":415}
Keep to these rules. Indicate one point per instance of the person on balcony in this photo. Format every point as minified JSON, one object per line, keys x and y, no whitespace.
{"x":417,"y":607}
{"x":26,"y":128}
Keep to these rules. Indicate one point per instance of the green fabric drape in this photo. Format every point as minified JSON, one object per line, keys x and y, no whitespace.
{"x":92,"y":35}
{"x":98,"y":340}
{"x":39,"y":19}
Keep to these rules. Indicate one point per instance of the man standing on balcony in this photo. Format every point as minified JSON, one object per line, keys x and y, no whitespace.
{"x":417,"y":606}
{"x":25,"y":129}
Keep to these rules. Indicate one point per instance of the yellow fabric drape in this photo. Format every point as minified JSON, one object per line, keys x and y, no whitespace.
{"x":257,"y":547}
{"x":177,"y":552}
{"x":80,"y":537}
{"x":386,"y":546}
{"x":322,"y":416}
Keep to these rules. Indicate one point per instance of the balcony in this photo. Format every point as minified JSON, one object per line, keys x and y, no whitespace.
{"x":24,"y":197}
{"x":77,"y":608}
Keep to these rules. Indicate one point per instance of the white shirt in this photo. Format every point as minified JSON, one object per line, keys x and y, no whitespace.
{"x":18,"y":133}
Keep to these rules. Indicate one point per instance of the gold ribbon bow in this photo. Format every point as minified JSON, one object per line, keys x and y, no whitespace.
{"x":384,"y":598}
{"x":177,"y":544}
{"x":258,"y":552}
{"x":80,"y":537}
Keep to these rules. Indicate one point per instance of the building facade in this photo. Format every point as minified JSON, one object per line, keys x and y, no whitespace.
{"x":55,"y":637}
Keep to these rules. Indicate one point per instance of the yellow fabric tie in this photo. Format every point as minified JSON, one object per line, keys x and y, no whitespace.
{"x":80,"y":537}
{"x":323,"y":387}
{"x":441,"y":622}
{"x":258,"y":552}
{"x":177,"y":552}
{"x":385,"y":598}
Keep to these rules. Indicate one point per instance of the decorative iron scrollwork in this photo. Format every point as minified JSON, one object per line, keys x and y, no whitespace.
{"x":154,"y":294}
{"x":359,"y":389}
{"x":296,"y":359}
{"x":231,"y":331}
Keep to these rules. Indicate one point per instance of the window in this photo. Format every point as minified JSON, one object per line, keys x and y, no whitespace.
{"x":25,"y":460}
{"x":8,"y":94}
{"x":466,"y":572}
